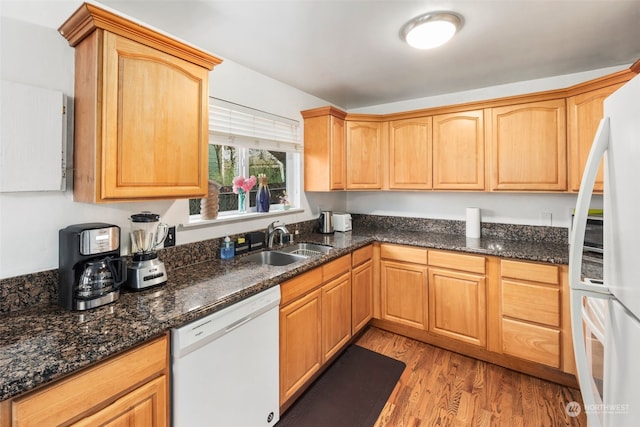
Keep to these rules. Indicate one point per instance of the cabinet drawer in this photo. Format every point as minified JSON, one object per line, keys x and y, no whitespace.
{"x":300,"y":285}
{"x":336,"y":267}
{"x":97,"y":386}
{"x":531,"y":342}
{"x":455,"y":261}
{"x":539,"y":304}
{"x":361,"y":255}
{"x":529,"y":271}
{"x":404,"y":253}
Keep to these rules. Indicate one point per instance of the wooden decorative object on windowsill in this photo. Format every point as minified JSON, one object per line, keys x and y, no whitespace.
{"x":209,"y":205}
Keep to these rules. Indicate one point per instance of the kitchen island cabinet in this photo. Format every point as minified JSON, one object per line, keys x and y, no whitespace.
{"x":129,"y":389}
{"x":141,"y":111}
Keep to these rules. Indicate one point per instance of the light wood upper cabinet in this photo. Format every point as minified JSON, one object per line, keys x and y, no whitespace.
{"x":584,"y":113}
{"x":364,"y":150}
{"x":141,"y":111}
{"x":528,"y":146}
{"x":410,"y":154}
{"x":324,"y":149}
{"x":458,"y":151}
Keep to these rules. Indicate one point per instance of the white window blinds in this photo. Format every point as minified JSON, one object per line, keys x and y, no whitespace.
{"x":233,"y":124}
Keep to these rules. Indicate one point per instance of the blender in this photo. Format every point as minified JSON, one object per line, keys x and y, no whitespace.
{"x":147,"y":233}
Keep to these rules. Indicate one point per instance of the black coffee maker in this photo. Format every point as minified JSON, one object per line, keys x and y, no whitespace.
{"x":91,"y":269}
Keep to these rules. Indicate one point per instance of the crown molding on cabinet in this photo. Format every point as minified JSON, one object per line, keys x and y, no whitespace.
{"x":89,"y":17}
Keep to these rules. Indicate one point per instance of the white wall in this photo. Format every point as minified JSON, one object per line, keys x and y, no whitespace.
{"x":29,"y":222}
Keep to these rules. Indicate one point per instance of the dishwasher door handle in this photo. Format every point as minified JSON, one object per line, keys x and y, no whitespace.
{"x":237,"y":323}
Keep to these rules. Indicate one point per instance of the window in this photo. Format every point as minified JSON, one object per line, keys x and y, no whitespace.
{"x":246,"y":142}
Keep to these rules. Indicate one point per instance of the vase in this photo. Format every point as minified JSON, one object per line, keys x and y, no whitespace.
{"x":263,"y":197}
{"x":209,"y":205}
{"x":241,"y":204}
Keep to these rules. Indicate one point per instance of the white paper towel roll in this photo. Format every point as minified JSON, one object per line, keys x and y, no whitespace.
{"x":473,"y":223}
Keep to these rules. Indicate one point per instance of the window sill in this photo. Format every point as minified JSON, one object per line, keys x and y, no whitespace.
{"x":231,"y":217}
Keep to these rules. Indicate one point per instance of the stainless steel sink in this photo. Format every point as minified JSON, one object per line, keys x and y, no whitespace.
{"x":273,"y":258}
{"x":287,"y":255}
{"x":306,"y":249}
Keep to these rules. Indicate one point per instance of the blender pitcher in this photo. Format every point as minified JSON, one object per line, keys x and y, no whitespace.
{"x":147,"y":232}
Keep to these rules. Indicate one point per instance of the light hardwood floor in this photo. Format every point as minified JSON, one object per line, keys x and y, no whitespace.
{"x":442,"y":388}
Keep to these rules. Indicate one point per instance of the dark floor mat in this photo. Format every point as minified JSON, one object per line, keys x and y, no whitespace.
{"x":351,"y":393}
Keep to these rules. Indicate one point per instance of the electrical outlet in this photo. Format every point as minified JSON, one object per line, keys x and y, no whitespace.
{"x":171,"y":237}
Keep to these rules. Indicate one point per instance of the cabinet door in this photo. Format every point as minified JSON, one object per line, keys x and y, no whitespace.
{"x":528,"y":146}
{"x":585,"y":112}
{"x":531,"y":311}
{"x":96,"y":388}
{"x":404,"y":293}
{"x":155,"y":118}
{"x":324,"y":153}
{"x":336,"y":315}
{"x":458,"y":151}
{"x":300,"y":343}
{"x":145,"y":406}
{"x":410,"y":154}
{"x":457,"y":305}
{"x":361,"y":295}
{"x":364,"y":142}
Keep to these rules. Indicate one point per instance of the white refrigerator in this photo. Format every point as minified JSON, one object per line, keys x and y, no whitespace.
{"x":605,"y":314}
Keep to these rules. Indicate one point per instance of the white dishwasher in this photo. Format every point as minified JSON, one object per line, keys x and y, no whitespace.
{"x":225,"y":366}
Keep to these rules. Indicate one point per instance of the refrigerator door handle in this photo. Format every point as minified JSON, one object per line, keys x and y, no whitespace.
{"x":579,"y":288}
{"x":576,"y":244}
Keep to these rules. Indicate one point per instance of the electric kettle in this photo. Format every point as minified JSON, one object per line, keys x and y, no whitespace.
{"x":325,"y":222}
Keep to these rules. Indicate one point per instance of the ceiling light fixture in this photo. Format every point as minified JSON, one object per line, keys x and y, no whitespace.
{"x":431,"y":29}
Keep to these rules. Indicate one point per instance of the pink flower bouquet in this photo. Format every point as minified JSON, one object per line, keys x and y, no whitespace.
{"x":242,"y":185}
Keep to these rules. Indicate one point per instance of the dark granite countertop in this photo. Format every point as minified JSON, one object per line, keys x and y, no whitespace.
{"x":43,"y":344}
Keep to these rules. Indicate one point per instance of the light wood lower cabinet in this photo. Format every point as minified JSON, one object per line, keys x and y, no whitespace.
{"x":128,"y":390}
{"x":457,"y":292}
{"x":361,"y":288}
{"x":531,"y":306}
{"x":315,"y":323}
{"x":509,"y":312}
{"x":336,"y":315}
{"x":300,"y":343}
{"x":403,"y":284}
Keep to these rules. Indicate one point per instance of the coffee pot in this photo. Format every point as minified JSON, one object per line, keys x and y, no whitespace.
{"x":101,"y":277}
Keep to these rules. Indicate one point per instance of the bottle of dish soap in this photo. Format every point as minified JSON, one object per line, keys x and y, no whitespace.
{"x":227,"y":251}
